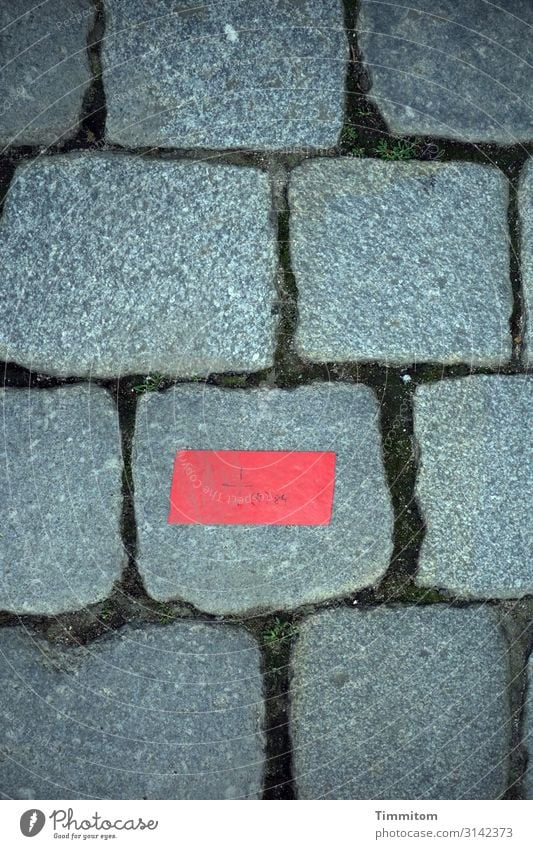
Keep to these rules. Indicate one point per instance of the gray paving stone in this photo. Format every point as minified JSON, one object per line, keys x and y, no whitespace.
{"x":60,"y":479}
{"x":401,"y":262}
{"x":400,"y":703}
{"x":525,"y":195}
{"x":528,"y":733}
{"x":245,"y":568}
{"x":155,"y":712}
{"x":44,"y":69}
{"x":235,"y":73}
{"x":456,"y":70}
{"x":475,"y":485}
{"x":115,"y":264}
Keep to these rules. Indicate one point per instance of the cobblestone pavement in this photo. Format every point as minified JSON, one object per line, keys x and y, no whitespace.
{"x":294,"y":226}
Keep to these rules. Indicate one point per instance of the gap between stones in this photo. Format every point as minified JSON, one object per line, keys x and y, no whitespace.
{"x":517,"y":320}
{"x":516,"y":622}
{"x":94,"y":110}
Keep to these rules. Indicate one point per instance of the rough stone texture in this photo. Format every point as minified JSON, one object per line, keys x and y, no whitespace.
{"x":475,"y":485}
{"x":235,"y":73}
{"x":457,"y":70}
{"x":44,"y":69}
{"x":243,"y":568}
{"x":115,"y":264}
{"x":60,"y":479}
{"x":525,"y":200}
{"x":528,"y":733}
{"x":401,"y":703}
{"x":156,"y":712}
{"x":401,"y":261}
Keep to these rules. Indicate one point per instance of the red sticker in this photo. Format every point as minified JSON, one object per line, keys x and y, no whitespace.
{"x":252,"y":488}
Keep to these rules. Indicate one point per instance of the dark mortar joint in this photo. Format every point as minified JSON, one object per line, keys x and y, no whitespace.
{"x":240,"y":157}
{"x":401,"y":468}
{"x":421,"y":373}
{"x":15,"y":376}
{"x":8,"y":165}
{"x":131,"y":586}
{"x":290,"y":373}
{"x":363,"y":123}
{"x":84,"y":626}
{"x":285,"y":359}
{"x":90,"y":139}
{"x":94,"y":111}
{"x":276,"y":636}
{"x":517,"y":321}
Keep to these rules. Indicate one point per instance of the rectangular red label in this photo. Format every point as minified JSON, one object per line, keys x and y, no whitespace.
{"x":252,"y":488}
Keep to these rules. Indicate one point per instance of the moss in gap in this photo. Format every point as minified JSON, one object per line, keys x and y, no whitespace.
{"x":238,"y":381}
{"x":82,"y":626}
{"x":350,"y":142}
{"x":233,"y":380}
{"x":165,"y":612}
{"x":429,"y":372}
{"x":107,"y":611}
{"x":408,"y":592}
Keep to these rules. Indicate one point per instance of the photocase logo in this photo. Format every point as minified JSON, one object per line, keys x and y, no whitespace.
{"x":32,"y":822}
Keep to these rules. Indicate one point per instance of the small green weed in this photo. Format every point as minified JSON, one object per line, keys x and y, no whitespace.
{"x":350,"y":137}
{"x":163,"y":611}
{"x":397,"y":152}
{"x":151,"y":383}
{"x":233,"y":380}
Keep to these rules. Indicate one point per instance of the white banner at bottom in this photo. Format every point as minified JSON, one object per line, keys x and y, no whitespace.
{"x":257,"y":825}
